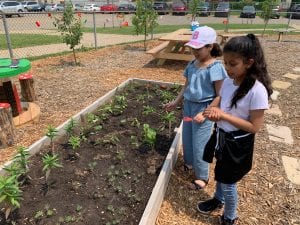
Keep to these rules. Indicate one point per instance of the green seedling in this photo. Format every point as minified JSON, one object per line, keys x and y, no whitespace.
{"x":10,"y":194}
{"x":135,"y":123}
{"x":120,"y":155}
{"x":149,"y":135}
{"x":71,"y":126}
{"x":74,"y":141}
{"x":51,"y":133}
{"x":92,"y":118}
{"x":50,"y":162}
{"x":169,"y":118}
{"x":166,"y":96}
{"x":148,"y":109}
{"x":134,"y":141}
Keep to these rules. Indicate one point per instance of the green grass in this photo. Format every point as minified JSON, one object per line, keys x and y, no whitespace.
{"x":28,"y":40}
{"x":170,"y":28}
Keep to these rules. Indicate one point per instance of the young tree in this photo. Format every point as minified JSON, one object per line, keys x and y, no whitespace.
{"x":266,"y":14}
{"x":193,"y":8}
{"x":145,"y":19}
{"x":70,"y":28}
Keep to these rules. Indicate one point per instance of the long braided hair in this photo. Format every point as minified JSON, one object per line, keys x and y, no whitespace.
{"x":249,"y":48}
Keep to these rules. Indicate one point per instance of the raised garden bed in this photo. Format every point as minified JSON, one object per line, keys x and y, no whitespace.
{"x":116,"y":162}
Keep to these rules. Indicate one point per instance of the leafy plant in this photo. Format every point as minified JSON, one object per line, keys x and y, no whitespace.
{"x":21,"y":159}
{"x":166,"y":96}
{"x":70,"y":28}
{"x":10,"y":193}
{"x":74,"y":141}
{"x":51,"y":133}
{"x":145,"y":19}
{"x":149,"y":135}
{"x":70,"y":126}
{"x":169,"y":117}
{"x":134,"y":141}
{"x":135,"y":123}
{"x":148,"y":109}
{"x":49,"y":163}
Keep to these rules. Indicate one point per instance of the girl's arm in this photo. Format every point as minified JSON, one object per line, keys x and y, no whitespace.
{"x":172,"y":105}
{"x":217,"y":99}
{"x":253,"y":125}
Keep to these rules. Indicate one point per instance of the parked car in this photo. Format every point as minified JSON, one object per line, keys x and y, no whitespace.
{"x":248,"y":12}
{"x":127,"y":7}
{"x":179,"y":8}
{"x":55,"y":7}
{"x":294,"y":11}
{"x":275,"y":13}
{"x":78,"y":7}
{"x":91,"y":7}
{"x":28,"y":5}
{"x":109,"y":8}
{"x":11,"y":8}
{"x":222,"y":9}
{"x":38,"y":8}
{"x":161,"y":8}
{"x":203,"y":9}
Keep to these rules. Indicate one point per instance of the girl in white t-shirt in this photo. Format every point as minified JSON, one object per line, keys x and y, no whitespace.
{"x":240,"y":114}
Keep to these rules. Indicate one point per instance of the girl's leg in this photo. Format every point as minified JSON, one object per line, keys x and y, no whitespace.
{"x":187,"y":142}
{"x":201,"y":135}
{"x":231,"y":201}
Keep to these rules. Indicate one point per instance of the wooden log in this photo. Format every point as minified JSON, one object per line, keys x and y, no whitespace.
{"x":12,"y":97}
{"x":7,"y":128}
{"x":27,"y":87}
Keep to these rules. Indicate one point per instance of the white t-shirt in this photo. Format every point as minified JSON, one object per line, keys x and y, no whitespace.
{"x":256,"y":98}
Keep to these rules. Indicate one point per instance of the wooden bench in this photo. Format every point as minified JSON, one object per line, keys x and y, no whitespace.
{"x":281,"y":32}
{"x":154,"y":51}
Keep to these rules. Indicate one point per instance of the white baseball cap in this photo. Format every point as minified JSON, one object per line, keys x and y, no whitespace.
{"x":202,"y":36}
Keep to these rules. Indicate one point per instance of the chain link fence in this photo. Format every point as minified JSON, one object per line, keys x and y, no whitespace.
{"x":34,"y":34}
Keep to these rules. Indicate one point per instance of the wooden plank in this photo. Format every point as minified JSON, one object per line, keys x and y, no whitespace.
{"x":158,"y":48}
{"x":175,"y":56}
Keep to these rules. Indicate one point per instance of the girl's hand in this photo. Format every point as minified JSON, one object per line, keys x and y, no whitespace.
{"x":199,"y":118}
{"x":170,"y":106}
{"x":213,"y":113}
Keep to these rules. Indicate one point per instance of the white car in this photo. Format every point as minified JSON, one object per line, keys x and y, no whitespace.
{"x":11,"y":8}
{"x":91,"y":7}
{"x":54,"y":7}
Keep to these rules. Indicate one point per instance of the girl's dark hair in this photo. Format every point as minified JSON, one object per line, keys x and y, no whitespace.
{"x":216,"y":50}
{"x":249,"y":48}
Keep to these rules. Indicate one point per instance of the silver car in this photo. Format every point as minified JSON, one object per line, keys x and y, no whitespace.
{"x":54,"y":7}
{"x":11,"y":8}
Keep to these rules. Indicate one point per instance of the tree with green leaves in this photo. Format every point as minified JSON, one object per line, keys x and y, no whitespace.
{"x":145,"y":19}
{"x":193,"y":8}
{"x":267,"y":7}
{"x":70,"y":27}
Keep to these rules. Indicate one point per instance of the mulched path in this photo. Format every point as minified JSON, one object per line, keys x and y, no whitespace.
{"x":266,"y":195}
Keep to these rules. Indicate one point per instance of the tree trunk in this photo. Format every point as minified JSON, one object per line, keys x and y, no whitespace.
{"x":27,"y":88}
{"x":7,"y":127}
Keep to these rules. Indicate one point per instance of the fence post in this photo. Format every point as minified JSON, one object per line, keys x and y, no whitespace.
{"x":8,"y":41}
{"x":95,"y":31}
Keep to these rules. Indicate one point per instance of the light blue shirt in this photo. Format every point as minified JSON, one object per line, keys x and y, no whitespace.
{"x":200,"y":86}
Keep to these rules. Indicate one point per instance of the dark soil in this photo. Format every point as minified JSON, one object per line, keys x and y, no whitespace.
{"x":110,"y":177}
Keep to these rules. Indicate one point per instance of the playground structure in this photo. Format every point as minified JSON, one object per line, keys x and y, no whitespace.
{"x":15,"y":111}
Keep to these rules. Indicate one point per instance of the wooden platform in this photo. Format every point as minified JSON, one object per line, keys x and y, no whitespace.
{"x":32,"y":114}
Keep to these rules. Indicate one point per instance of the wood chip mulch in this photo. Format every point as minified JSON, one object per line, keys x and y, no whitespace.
{"x":266,"y":196}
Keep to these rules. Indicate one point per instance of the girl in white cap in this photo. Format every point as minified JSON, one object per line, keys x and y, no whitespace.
{"x":204,"y":77}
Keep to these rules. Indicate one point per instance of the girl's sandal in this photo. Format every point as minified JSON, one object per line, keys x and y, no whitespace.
{"x":195,"y":186}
